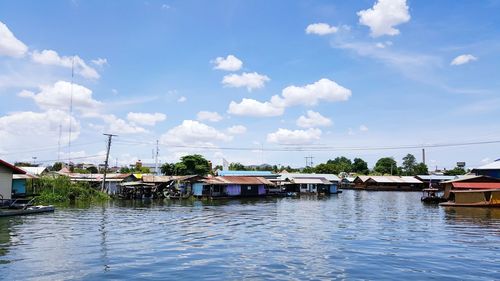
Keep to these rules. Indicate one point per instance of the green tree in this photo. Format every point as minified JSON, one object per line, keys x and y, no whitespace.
{"x":192,"y":165}
{"x":409,"y":163}
{"x":360,"y":166}
{"x":92,"y":170}
{"x":386,"y":165}
{"x":237,"y":167}
{"x":325,"y":168}
{"x":125,"y":170}
{"x":168,"y":169}
{"x":421,"y":169}
{"x":56,"y":167}
{"x":455,"y":172}
{"x":342,"y":164}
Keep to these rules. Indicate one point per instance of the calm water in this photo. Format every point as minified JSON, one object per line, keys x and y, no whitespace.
{"x":355,"y":235}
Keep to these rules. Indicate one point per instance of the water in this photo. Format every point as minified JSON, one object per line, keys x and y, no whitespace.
{"x":355,"y":235}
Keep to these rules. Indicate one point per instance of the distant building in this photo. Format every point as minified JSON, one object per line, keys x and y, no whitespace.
{"x":490,"y":170}
{"x":388,"y":183}
{"x":309,"y":183}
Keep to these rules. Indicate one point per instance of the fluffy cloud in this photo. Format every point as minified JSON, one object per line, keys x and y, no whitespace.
{"x":463,"y":59}
{"x":148,"y":119}
{"x":50,"y":57}
{"x":193,"y":132}
{"x":209,"y":116}
{"x":9,"y":45}
{"x":320,"y":29}
{"x":363,"y":128}
{"x":311,"y":94}
{"x":35,"y":129}
{"x":284,"y":136}
{"x":237,"y":130}
{"x":251,"y":81}
{"x":100,"y":62}
{"x":384,"y":16}
{"x":313,"y":119}
{"x":59,"y":96}
{"x":182,"y":99}
{"x":116,"y":125}
{"x":230,"y":63}
{"x":251,"y":107}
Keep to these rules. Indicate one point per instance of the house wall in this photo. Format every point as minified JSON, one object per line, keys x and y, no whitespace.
{"x":333,"y":188}
{"x":5,"y":182}
{"x":19,"y":186}
{"x":233,"y":190}
{"x":489,"y":173}
{"x":198,"y":189}
{"x":262,"y":190}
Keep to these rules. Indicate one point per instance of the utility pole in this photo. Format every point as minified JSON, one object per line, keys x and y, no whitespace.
{"x":110,"y":136}
{"x":156,"y":158}
{"x":309,"y":161}
{"x":423,"y":155}
{"x":71,"y":111}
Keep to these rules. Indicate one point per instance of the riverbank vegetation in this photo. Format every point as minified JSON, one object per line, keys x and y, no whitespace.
{"x":54,"y":190}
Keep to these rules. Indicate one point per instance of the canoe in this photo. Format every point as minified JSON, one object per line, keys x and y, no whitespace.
{"x":27,"y":211}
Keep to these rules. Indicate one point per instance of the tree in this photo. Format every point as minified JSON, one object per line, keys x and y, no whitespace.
{"x":341,"y":164}
{"x":125,"y":170}
{"x":92,"y":170}
{"x":168,"y":169}
{"x":409,"y":163}
{"x":24,"y":164}
{"x":56,"y":167}
{"x":386,"y":165}
{"x":237,"y":167}
{"x":455,"y":172}
{"x":420,"y":169}
{"x":326,"y":168}
{"x":360,"y":166}
{"x":192,"y":165}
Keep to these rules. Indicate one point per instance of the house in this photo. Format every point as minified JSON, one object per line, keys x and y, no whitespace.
{"x":434,"y":180}
{"x":264,"y":174}
{"x":7,"y":172}
{"x":490,"y":170}
{"x":19,"y":182}
{"x":232,"y":186}
{"x":309,"y":183}
{"x":470,"y":183}
{"x":388,"y":183}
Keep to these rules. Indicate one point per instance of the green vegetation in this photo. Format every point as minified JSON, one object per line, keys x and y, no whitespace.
{"x":189,"y":165}
{"x":455,"y":172}
{"x":60,"y":189}
{"x":139,"y":170}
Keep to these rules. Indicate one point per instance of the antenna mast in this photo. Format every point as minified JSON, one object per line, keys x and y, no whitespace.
{"x":71,"y":110}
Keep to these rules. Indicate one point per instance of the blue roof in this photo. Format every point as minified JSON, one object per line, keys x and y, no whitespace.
{"x":244,"y":173}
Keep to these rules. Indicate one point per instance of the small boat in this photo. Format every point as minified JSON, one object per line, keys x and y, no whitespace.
{"x":27,"y":211}
{"x":430,"y":195}
{"x":473,"y":198}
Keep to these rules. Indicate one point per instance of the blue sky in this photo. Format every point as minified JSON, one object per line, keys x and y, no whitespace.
{"x":269,"y":75}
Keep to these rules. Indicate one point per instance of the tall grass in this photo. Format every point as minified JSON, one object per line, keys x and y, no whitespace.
{"x":61,"y":190}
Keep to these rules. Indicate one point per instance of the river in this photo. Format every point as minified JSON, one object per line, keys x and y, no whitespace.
{"x":354,"y":235}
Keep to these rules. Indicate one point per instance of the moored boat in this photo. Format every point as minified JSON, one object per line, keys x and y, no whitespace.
{"x":26,"y":211}
{"x":473,"y":198}
{"x":431,"y":196}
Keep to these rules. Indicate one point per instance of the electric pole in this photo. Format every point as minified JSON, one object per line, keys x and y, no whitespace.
{"x":110,"y":136}
{"x":156,"y":158}
{"x":309,"y":161}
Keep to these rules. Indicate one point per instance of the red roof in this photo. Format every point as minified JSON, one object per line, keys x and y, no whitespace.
{"x":11,"y":167}
{"x":476,"y":185}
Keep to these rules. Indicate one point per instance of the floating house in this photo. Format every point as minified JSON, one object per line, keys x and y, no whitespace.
{"x":232,"y":186}
{"x":309,"y":183}
{"x":434,"y":180}
{"x":19,"y":184}
{"x":490,"y":170}
{"x":388,"y":183}
{"x":7,"y":172}
{"x":470,"y":183}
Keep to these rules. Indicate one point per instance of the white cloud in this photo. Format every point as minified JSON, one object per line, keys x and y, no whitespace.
{"x":100,"y":62}
{"x":251,"y":107}
{"x":182,"y":99}
{"x":382,"y":45}
{"x":209,"y":116}
{"x":147,"y":119}
{"x":9,"y":45}
{"x":384,"y":16}
{"x":463,"y":59}
{"x":320,"y":29}
{"x":363,"y":128}
{"x":34,"y":129}
{"x":323,"y":89}
{"x":237,"y":130}
{"x":313,"y":119}
{"x":230,"y":63}
{"x":285,"y":136}
{"x":350,"y":132}
{"x":59,"y":96}
{"x":251,"y":81}
{"x":119,"y":126}
{"x":193,"y":132}
{"x":51,"y":57}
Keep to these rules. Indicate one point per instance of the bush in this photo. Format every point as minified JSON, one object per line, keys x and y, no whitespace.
{"x":62,"y":190}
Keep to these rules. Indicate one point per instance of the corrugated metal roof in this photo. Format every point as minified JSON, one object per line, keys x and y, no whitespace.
{"x":34,"y":170}
{"x":394,"y":179}
{"x":244,"y":173}
{"x":12,"y":167}
{"x":362,"y":178}
{"x":23,"y":176}
{"x":491,"y":166}
{"x":151,"y":178}
{"x":476,"y":185}
{"x":329,"y":177}
{"x":435,"y":177}
{"x":239,"y":180}
{"x":318,"y":180}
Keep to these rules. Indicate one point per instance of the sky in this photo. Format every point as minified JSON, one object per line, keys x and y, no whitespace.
{"x":250,"y":81}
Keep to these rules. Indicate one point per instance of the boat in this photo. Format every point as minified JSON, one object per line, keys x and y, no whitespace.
{"x":473,"y":198}
{"x":27,"y":211}
{"x":430,"y":195}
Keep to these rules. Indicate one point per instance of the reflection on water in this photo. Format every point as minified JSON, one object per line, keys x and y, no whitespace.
{"x":355,"y":235}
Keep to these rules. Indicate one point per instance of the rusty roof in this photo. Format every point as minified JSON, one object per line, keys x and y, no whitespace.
{"x":239,"y":180}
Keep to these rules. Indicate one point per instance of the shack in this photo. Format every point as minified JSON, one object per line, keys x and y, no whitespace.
{"x":7,"y":172}
{"x":388,"y":183}
{"x":232,"y":186}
